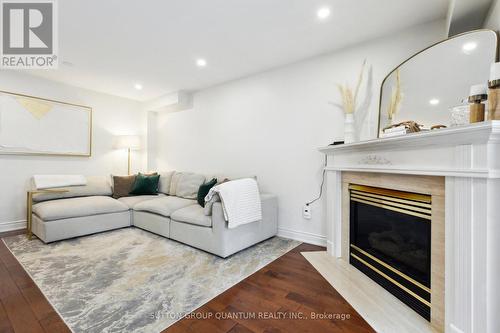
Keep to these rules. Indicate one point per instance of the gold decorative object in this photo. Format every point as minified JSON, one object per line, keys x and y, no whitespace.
{"x":396,"y":97}
{"x":437,"y":127}
{"x":410,"y":125}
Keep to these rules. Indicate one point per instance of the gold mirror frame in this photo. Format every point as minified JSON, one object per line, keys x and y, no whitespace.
{"x":423,"y":50}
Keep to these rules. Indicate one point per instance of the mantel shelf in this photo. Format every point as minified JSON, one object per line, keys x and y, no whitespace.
{"x":478,"y":133}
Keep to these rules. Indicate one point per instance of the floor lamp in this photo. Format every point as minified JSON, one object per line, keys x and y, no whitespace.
{"x":129,"y":142}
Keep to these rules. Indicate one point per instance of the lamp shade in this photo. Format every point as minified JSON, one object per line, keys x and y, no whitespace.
{"x":127,"y":142}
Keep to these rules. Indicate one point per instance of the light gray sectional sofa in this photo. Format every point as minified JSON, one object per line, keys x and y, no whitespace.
{"x":173,"y":213}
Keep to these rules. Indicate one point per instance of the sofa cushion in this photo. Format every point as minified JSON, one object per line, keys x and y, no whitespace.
{"x":122,"y":185}
{"x":186,"y":184}
{"x":193,"y":215}
{"x":164,"y":206}
{"x":77,"y":207}
{"x":134,"y":200}
{"x":165,"y":180}
{"x":95,"y":186}
{"x":145,"y":184}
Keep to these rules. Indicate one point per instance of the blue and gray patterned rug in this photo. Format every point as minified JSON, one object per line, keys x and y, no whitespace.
{"x":130,"y":280}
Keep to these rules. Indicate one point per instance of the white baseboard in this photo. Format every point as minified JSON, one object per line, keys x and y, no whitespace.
{"x":12,"y":225}
{"x":302,"y":236}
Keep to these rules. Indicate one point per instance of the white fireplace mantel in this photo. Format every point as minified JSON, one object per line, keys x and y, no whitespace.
{"x":469,"y":159}
{"x":469,"y":151}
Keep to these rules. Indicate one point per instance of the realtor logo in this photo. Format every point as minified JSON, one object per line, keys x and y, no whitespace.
{"x":28,"y":34}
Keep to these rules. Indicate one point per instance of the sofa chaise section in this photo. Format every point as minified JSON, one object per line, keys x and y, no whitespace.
{"x":72,"y":217}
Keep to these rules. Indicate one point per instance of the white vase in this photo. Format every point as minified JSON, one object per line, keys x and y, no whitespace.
{"x":349,"y":134}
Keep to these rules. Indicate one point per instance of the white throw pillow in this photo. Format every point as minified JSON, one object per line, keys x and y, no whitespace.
{"x":165,"y":181}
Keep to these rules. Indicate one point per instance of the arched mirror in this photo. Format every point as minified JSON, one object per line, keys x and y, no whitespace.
{"x":429,"y":85}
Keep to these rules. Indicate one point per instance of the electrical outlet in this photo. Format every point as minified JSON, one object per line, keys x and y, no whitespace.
{"x":306,"y":212}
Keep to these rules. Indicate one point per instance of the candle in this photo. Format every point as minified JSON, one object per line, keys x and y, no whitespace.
{"x":478,"y":89}
{"x":495,"y":71}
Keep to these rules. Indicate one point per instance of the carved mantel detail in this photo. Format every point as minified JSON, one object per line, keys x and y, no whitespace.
{"x":374,"y":160}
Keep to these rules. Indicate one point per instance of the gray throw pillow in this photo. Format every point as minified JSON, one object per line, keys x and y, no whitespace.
{"x":186,"y":184}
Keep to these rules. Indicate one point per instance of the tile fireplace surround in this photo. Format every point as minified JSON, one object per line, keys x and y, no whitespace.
{"x":468,"y":159}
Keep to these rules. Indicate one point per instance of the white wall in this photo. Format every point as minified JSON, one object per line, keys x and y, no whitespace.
{"x":111,"y":116}
{"x":493,"y":19}
{"x":271,"y":124}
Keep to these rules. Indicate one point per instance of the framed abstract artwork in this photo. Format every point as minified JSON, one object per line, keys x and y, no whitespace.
{"x":37,"y":126}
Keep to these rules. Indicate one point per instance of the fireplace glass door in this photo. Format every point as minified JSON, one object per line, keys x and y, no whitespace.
{"x":390,"y":241}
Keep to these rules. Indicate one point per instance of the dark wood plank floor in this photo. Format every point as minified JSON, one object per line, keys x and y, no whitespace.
{"x":288,"y":288}
{"x":281,"y":297}
{"x":23,"y":308}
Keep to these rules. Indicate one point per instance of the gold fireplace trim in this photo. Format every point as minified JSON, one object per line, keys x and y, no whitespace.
{"x":404,"y":276}
{"x":409,"y":212}
{"x":392,"y":280}
{"x":390,"y":202}
{"x":393,"y":199}
{"x":414,"y":204}
{"x":392,"y":193}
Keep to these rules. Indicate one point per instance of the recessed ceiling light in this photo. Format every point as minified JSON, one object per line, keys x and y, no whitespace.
{"x":201,"y":62}
{"x":434,"y":101}
{"x":138,"y":86}
{"x":323,"y":13}
{"x":469,"y":47}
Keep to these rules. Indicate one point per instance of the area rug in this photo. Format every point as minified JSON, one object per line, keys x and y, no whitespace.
{"x":130,"y":280}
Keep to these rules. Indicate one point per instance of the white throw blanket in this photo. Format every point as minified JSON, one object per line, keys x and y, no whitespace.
{"x":240,"y":201}
{"x":51,"y":181}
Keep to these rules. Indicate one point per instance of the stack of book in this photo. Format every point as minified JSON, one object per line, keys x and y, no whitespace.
{"x":394,"y":131}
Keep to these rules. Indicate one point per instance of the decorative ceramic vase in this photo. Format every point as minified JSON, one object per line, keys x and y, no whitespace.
{"x":349,"y":134}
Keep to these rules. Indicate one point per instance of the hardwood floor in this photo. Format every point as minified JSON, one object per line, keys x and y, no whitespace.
{"x":23,"y":308}
{"x":281,"y":297}
{"x":287,"y":287}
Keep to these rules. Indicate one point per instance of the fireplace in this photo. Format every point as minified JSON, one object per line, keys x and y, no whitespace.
{"x":390,"y":241}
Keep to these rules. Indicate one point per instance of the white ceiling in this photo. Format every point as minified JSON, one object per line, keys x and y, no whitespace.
{"x":114,"y":44}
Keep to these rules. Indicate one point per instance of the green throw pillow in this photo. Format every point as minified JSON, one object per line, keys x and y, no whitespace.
{"x":145,"y":184}
{"x":203,"y":191}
